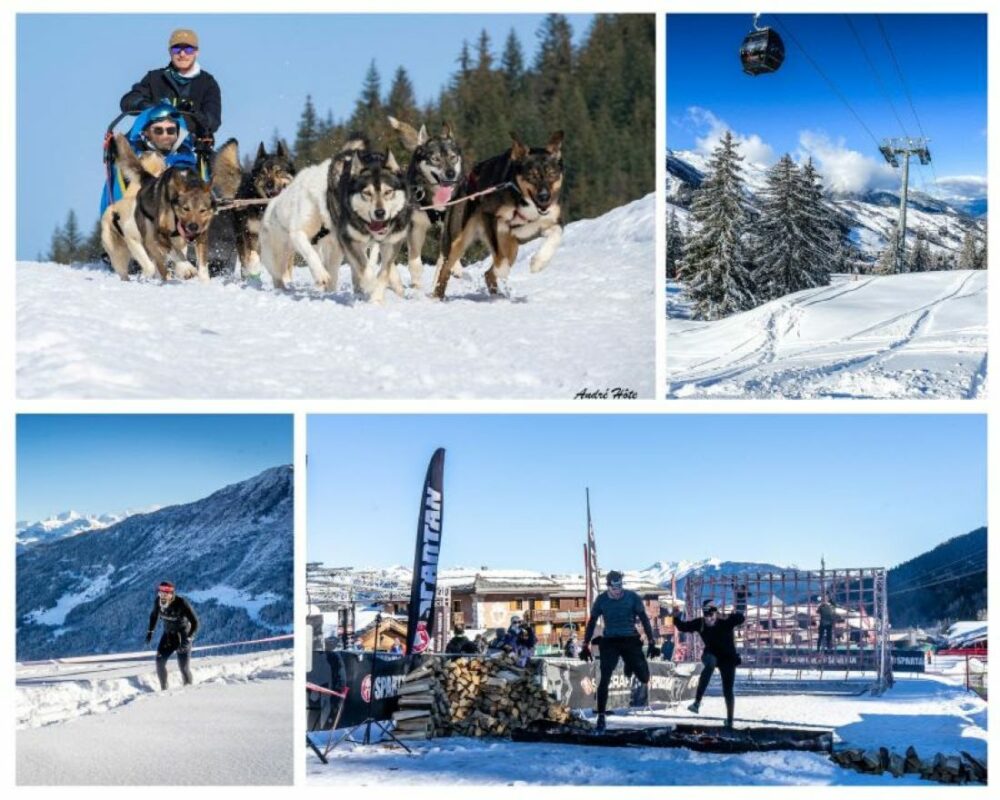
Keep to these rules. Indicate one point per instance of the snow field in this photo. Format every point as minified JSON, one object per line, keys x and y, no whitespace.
{"x":586,"y":322}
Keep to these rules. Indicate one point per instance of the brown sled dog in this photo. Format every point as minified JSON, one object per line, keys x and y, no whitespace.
{"x":163,"y":212}
{"x":524,"y":205}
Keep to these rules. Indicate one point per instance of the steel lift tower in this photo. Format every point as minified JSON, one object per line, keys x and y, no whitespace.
{"x":892,"y":150}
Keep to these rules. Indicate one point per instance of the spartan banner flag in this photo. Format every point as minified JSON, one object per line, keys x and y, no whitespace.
{"x":420,"y":625}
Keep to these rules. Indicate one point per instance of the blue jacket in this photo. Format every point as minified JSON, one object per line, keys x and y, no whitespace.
{"x":183,"y":153}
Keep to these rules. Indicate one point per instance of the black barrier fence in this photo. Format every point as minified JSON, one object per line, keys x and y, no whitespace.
{"x":571,"y":682}
{"x":853,"y":660}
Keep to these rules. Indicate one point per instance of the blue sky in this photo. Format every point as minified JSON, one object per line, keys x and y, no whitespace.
{"x":73,"y":70}
{"x":942,"y":56}
{"x":865,"y":490}
{"x":107,"y":463}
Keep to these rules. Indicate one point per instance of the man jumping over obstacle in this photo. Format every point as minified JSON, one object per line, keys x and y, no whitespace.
{"x":620,"y":608}
{"x":716,"y":632}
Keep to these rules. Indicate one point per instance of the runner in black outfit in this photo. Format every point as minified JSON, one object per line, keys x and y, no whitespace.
{"x":716,"y":632}
{"x":621,"y":609}
{"x":180,"y":624}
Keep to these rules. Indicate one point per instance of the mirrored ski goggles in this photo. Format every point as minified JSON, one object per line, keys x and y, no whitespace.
{"x":186,"y":49}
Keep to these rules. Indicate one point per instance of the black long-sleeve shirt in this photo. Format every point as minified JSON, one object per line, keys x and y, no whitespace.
{"x":619,"y":616}
{"x":177,"y":617}
{"x":718,"y":638}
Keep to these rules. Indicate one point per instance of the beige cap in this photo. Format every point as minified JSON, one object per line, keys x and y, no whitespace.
{"x":183,"y":36}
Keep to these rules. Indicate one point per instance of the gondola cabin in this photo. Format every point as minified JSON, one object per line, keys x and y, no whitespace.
{"x":762,"y":51}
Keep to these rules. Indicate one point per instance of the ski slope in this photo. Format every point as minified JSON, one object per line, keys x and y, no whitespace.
{"x":931,"y":713}
{"x":109,"y":724}
{"x":901,"y":336}
{"x":586,"y":322}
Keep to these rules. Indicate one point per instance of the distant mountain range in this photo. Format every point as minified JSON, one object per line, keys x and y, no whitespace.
{"x":230,"y":553}
{"x":945,"y":584}
{"x":870,"y":217}
{"x":68,"y":523}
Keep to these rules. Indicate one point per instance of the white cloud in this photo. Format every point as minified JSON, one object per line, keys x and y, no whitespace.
{"x":752,"y":147}
{"x":960,"y":187}
{"x":843,"y":169}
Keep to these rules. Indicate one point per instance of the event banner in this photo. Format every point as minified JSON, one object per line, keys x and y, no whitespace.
{"x":860,"y":660}
{"x":420,"y":625}
{"x":574,"y":683}
{"x":356,"y":672}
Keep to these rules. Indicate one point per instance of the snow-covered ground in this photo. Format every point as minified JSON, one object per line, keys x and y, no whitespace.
{"x":902,"y":336}
{"x":586,"y":322}
{"x":932,"y":713}
{"x":108,"y":724}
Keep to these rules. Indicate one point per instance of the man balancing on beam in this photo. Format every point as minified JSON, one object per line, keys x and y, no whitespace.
{"x":621,"y":609}
{"x":717,"y":633}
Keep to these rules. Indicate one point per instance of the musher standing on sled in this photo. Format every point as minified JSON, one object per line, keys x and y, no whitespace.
{"x":716,"y":632}
{"x":180,"y":624}
{"x":620,"y":609}
{"x":183,"y":84}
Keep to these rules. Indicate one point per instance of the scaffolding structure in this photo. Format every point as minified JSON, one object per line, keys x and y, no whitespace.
{"x":781,"y":632}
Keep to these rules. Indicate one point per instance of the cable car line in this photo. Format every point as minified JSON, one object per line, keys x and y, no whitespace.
{"x":878,"y":78}
{"x":902,"y":80}
{"x":828,"y":80}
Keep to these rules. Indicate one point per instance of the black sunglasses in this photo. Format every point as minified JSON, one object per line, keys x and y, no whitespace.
{"x":161,"y":131}
{"x":186,"y":49}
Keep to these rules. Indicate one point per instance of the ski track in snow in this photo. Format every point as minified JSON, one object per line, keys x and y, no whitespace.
{"x":49,"y":694}
{"x":921,"y":335}
{"x":932,"y":713}
{"x":586,"y":322}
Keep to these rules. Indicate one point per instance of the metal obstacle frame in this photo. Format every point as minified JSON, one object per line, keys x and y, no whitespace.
{"x":780,"y":638}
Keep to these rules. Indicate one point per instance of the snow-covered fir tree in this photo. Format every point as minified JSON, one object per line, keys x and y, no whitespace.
{"x":715,"y":264}
{"x":920,"y":256}
{"x":675,"y":245}
{"x":795,"y":242}
{"x":968,"y":258}
{"x":886,"y":264}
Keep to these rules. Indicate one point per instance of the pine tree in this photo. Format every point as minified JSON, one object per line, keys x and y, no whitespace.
{"x":369,"y":117}
{"x":920,"y":256}
{"x":675,"y":245}
{"x":512,"y":64}
{"x":968,"y":257}
{"x":886,"y":264}
{"x":92,"y":249}
{"x":715,"y":261}
{"x":307,"y":135}
{"x":795,"y":241}
{"x":983,"y":261}
{"x":401,"y":102}
{"x":72,"y":237}
{"x":57,"y":248}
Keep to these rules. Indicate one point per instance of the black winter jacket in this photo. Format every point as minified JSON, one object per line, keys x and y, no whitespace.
{"x":718,"y":638}
{"x":202,"y":91}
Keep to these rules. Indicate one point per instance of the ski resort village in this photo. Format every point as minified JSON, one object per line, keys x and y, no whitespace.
{"x":829,"y":690}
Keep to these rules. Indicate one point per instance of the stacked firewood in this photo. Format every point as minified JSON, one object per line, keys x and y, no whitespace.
{"x":942,"y":768}
{"x":480,"y":696}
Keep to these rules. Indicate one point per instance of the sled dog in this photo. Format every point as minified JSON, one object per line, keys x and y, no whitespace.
{"x":337,"y":210}
{"x":524,"y":205}
{"x":237,"y":232}
{"x":163,"y":212}
{"x":432,"y":175}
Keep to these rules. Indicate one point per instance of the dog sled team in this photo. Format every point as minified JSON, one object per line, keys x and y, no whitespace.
{"x":168,"y":192}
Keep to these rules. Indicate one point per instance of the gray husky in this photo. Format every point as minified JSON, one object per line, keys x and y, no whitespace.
{"x":434,"y":171}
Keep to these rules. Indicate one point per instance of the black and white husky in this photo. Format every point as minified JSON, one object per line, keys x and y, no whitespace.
{"x":337,"y":210}
{"x":434,"y":171}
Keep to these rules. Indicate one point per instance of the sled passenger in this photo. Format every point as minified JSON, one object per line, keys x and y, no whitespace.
{"x":716,"y":631}
{"x":621,"y":609}
{"x":183,"y":84}
{"x":180,"y":624}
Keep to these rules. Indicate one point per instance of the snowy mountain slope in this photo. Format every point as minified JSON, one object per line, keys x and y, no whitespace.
{"x":871,"y":216}
{"x":586,"y":322}
{"x":234,"y":726}
{"x":930,"y":712}
{"x":918,"y":335}
{"x":66,"y":523}
{"x":92,"y":593}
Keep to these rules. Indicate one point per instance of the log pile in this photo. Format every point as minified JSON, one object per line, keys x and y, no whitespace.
{"x":485,"y":696}
{"x":963,"y":768}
